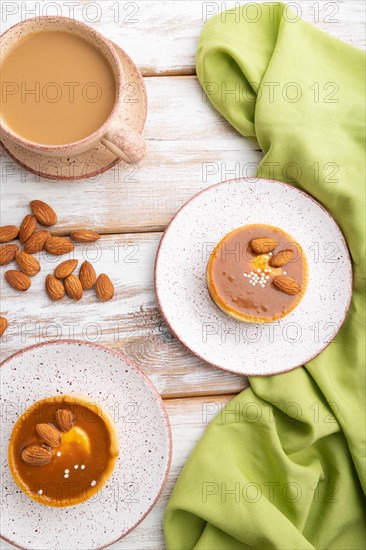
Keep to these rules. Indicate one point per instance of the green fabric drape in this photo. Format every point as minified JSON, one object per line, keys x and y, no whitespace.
{"x":284,"y":465}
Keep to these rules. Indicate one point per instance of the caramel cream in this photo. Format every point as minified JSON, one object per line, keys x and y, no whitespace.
{"x":80,"y":464}
{"x":240,"y":281}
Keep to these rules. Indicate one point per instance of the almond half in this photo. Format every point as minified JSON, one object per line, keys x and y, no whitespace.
{"x":27,"y":227}
{"x":58,"y":246}
{"x":8,"y":233}
{"x":27,"y":263}
{"x":84,"y":236}
{"x":65,"y":269}
{"x":104,"y":288}
{"x":73,"y":287}
{"x":263,"y":245}
{"x":3,"y":325}
{"x":87,"y":275}
{"x":7,"y":253}
{"x":17,"y":279}
{"x":36,"y":242}
{"x":65,"y":419}
{"x":287,"y":285}
{"x":36,"y":455}
{"x":50,"y":435}
{"x":54,"y":288}
{"x":43,"y":212}
{"x":281,"y":258}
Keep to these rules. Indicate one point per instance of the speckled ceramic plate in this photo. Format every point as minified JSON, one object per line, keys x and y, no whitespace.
{"x":110,"y":379}
{"x":97,"y":160}
{"x":180,"y":277}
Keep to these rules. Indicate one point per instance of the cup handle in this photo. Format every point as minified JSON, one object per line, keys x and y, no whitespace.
{"x":125,"y":143}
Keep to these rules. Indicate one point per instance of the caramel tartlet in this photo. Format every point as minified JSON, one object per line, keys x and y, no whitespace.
{"x":62,"y":450}
{"x":257,"y":274}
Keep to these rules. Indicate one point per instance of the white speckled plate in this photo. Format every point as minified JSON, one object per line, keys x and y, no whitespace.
{"x":180,"y":277}
{"x":109,"y":378}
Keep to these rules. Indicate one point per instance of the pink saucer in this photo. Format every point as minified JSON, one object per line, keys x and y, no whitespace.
{"x":99,"y":159}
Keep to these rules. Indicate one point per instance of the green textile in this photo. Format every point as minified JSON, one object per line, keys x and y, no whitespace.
{"x":286,"y":468}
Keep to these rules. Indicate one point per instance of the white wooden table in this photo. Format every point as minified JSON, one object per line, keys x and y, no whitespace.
{"x":190,"y":148}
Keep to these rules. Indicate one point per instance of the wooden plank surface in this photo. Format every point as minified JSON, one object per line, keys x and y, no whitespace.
{"x":130,"y":323}
{"x":190,"y":148}
{"x":162,"y":36}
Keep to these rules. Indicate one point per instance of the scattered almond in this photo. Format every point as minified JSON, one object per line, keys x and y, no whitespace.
{"x":27,"y":263}
{"x":55,"y":288}
{"x":73,"y":287}
{"x":7,"y":253}
{"x":87,"y":275}
{"x":58,"y":246}
{"x":281,"y":258}
{"x":3,"y":325}
{"x":64,"y":419}
{"x":65,"y":269}
{"x":36,"y":455}
{"x":36,"y":242}
{"x":50,"y":435}
{"x":104,"y":288}
{"x":84,"y":236}
{"x":263,"y":245}
{"x":27,"y":227}
{"x":43,"y":212}
{"x":8,"y":233}
{"x":287,"y":285}
{"x":17,"y":279}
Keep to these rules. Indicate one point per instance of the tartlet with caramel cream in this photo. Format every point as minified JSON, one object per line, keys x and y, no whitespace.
{"x":257,"y":273}
{"x":62,"y":450}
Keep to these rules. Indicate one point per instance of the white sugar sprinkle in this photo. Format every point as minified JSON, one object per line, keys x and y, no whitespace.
{"x":270,"y":254}
{"x":76,"y":466}
{"x":93,"y":483}
{"x":40,"y":492}
{"x":66,"y":476}
{"x":259,"y":270}
{"x":82,"y":467}
{"x":58,"y":453}
{"x":67,"y":471}
{"x":285,"y":272}
{"x":267,"y":277}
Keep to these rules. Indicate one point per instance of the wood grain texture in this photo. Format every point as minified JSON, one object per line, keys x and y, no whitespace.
{"x":130,"y":322}
{"x":162,"y":36}
{"x":190,"y":148}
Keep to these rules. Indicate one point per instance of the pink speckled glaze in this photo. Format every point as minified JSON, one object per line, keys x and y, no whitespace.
{"x":112,"y":380}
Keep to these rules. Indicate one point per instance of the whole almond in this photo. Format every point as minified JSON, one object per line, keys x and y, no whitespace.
{"x":36,"y":242}
{"x":8,"y":233}
{"x":43,"y":212}
{"x":84,"y":236}
{"x":73,"y":287}
{"x":263,"y":245}
{"x":64,"y":419}
{"x":65,"y":269}
{"x":27,"y":227}
{"x":281,"y":258}
{"x":27,"y":263}
{"x":287,"y":285}
{"x":7,"y":253}
{"x":104,"y":288}
{"x":87,"y":275}
{"x":58,"y":246}
{"x":3,"y":325}
{"x":36,"y":455}
{"x":55,"y":288}
{"x":50,"y":435}
{"x":17,"y":279}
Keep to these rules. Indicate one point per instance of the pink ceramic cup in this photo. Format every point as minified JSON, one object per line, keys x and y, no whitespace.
{"x":121,"y":140}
